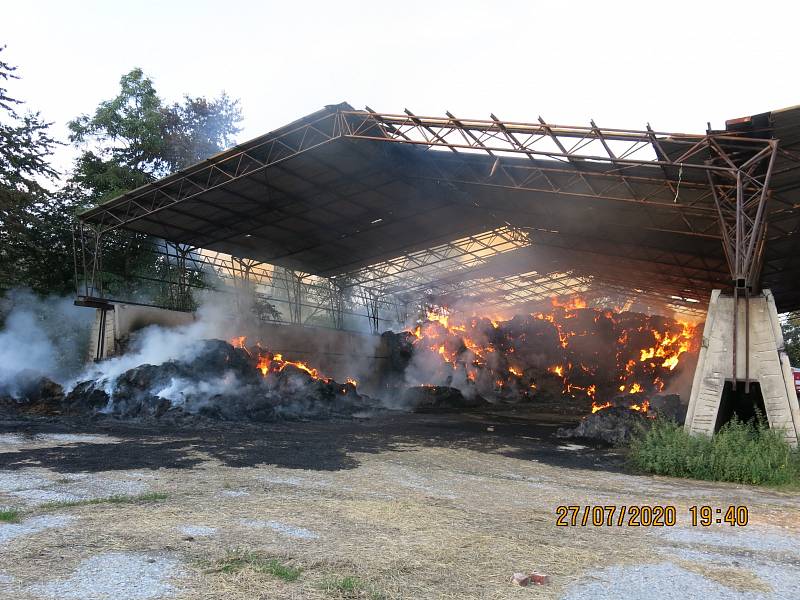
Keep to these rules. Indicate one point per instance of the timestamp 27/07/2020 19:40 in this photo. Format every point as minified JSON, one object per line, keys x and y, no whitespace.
{"x":648,"y":516}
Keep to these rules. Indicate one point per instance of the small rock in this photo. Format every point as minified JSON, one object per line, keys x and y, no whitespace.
{"x":520,"y":579}
{"x":539,"y":578}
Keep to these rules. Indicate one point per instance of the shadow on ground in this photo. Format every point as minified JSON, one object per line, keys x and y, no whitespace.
{"x":324,"y":446}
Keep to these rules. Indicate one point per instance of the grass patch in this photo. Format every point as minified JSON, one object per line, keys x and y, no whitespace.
{"x":148,"y":497}
{"x":9,"y":516}
{"x":740,"y":452}
{"x":238,"y":561}
{"x":350,"y":586}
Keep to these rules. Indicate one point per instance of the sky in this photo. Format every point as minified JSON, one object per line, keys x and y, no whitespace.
{"x":676,"y":65}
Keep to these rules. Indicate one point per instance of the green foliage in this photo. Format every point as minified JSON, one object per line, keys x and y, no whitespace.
{"x":791,"y":337}
{"x":749,"y":453}
{"x":129,"y":141}
{"x":34,"y":229}
{"x":239,"y":560}
{"x":198,"y":128}
{"x":9,"y":516}
{"x":25,"y":142}
{"x":135,"y":137}
{"x":148,"y":497}
{"x":126,"y":142}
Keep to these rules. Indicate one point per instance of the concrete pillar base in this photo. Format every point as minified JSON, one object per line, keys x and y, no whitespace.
{"x":765,"y":362}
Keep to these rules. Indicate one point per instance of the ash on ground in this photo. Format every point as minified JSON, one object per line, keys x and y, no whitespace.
{"x":436,"y":398}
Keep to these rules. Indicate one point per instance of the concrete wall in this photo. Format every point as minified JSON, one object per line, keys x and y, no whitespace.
{"x":335,"y":353}
{"x":768,"y":364}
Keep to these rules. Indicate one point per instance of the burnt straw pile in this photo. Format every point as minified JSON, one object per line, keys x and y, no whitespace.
{"x":571,"y":355}
{"x":617,"y":423}
{"x":214,"y":380}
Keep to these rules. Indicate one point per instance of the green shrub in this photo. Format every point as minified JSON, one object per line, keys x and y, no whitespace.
{"x":740,"y":452}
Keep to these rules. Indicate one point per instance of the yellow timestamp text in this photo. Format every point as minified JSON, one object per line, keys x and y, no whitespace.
{"x":612,"y":515}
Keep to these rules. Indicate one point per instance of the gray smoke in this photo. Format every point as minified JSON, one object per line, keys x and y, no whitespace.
{"x":225,"y":316}
{"x":218,"y":316}
{"x":40,"y":337}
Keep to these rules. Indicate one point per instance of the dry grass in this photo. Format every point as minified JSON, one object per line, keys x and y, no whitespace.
{"x":418,"y":522}
{"x":740,"y":579}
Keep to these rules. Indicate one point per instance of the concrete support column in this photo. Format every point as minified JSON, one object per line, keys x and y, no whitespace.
{"x":759,"y":355}
{"x":113,"y":325}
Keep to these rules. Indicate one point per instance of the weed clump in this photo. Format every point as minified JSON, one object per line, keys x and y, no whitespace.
{"x":741,"y":452}
{"x":238,"y":561}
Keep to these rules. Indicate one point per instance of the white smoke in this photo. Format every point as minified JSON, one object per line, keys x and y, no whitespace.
{"x":40,"y":337}
{"x":218,"y":316}
{"x":180,"y":391}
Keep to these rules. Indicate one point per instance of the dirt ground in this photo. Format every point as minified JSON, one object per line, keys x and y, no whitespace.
{"x":400,"y":506}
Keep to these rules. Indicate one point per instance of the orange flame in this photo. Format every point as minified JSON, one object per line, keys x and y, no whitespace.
{"x":640,"y":370}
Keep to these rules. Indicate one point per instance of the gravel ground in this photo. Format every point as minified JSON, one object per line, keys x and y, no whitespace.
{"x":34,"y":525}
{"x":664,"y":581}
{"x":771,"y":539}
{"x":37,"y":487}
{"x":282,"y":528}
{"x":197,"y":530}
{"x":413,"y":506}
{"x":114,"y":576}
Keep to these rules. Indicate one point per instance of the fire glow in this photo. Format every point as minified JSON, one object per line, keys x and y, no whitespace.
{"x":269,"y":362}
{"x":606,"y":356}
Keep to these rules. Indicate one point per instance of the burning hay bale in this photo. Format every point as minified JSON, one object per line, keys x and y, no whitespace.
{"x":619,"y":419}
{"x":220,"y":381}
{"x":572,"y":352}
{"x":670,"y":407}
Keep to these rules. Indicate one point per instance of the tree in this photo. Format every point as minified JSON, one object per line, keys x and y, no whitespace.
{"x":791,"y":337}
{"x":131,"y":140}
{"x":137,"y":138}
{"x":128,"y":141}
{"x":25,"y":142}
{"x":27,"y":221}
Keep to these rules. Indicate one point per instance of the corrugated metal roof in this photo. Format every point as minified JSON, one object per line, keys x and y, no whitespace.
{"x":320,"y":202}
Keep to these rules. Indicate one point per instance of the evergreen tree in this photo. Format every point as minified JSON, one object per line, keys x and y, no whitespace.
{"x":31,"y":225}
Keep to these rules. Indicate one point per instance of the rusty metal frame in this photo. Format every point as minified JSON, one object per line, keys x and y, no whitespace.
{"x":738,"y":168}
{"x":714,"y":185}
